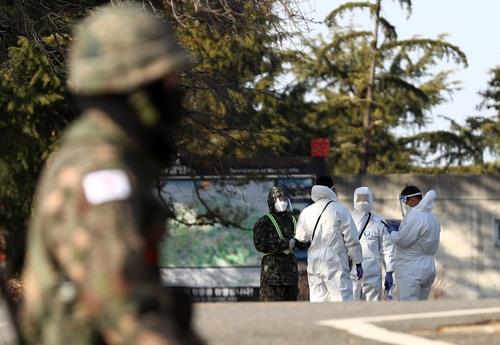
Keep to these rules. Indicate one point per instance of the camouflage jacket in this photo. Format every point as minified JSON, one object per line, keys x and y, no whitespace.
{"x":277,"y":268}
{"x":90,"y":276}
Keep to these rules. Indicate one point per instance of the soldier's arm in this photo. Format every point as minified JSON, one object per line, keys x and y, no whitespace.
{"x":103,"y":254}
{"x":266,"y":239}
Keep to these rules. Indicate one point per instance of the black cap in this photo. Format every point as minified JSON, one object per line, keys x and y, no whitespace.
{"x":410,"y":190}
{"x":324,"y":180}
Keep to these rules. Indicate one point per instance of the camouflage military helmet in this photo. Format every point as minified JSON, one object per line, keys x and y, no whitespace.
{"x":119,"y":49}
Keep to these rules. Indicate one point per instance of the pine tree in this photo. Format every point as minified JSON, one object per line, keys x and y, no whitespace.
{"x":371,"y":82}
{"x":468,"y":144}
{"x":35,"y":107}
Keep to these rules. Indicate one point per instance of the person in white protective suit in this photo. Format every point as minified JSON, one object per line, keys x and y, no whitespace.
{"x":377,"y":248}
{"x":333,"y":237}
{"x":416,"y":242}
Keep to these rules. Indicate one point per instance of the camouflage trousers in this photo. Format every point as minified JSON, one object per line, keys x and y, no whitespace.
{"x":270,"y":293}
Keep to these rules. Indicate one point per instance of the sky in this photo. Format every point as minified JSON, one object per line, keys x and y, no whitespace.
{"x":472,"y":25}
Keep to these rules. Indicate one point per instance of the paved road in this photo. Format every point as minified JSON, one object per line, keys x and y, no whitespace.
{"x":357,"y":323}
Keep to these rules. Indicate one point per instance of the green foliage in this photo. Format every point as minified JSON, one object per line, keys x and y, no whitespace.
{"x":460,"y":145}
{"x":34,"y":103}
{"x":367,"y":86}
{"x":35,"y":107}
{"x":237,"y":62}
{"x":332,"y":19}
{"x":468,"y":143}
{"x":491,"y":96}
{"x":236,"y":46}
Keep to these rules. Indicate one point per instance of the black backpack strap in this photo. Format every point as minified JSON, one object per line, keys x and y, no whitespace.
{"x":364,"y":227}
{"x":315,"y":226}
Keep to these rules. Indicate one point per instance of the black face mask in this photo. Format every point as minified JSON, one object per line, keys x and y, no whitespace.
{"x":168,"y":103}
{"x":159,"y":138}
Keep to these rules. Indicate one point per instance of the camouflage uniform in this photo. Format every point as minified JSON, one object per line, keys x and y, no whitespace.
{"x":279,"y":273}
{"x":90,"y":275}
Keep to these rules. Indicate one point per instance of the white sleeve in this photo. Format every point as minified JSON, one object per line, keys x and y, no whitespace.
{"x":408,"y":233}
{"x":301,"y":233}
{"x":350,"y":235}
{"x":386,"y":248}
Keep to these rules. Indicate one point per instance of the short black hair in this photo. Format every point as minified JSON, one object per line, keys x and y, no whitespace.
{"x":325,"y":180}
{"x":409,"y":190}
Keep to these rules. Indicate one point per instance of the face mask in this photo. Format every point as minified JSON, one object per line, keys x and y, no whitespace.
{"x":362,"y":206}
{"x":281,"y":205}
{"x":405,"y":209}
{"x":168,"y":103}
{"x":403,"y":199}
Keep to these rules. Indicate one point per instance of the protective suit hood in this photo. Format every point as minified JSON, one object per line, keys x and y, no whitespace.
{"x":427,"y":202}
{"x":274,"y":193}
{"x":322,"y":192}
{"x":363,"y":190}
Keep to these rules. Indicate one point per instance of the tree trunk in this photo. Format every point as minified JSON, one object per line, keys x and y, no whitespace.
{"x":365,"y":159}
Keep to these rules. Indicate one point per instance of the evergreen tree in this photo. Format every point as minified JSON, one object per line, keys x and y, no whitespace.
{"x":371,"y":82}
{"x":35,"y":108}
{"x":237,"y":54}
{"x":469,"y":143}
{"x":491,"y":101}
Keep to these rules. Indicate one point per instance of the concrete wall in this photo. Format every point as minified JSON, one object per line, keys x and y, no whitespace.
{"x":468,"y":207}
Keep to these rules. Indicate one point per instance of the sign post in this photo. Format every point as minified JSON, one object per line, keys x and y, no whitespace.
{"x":320,"y":148}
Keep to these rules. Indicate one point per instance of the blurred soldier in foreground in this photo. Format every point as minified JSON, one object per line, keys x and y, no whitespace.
{"x":273,"y":236}
{"x":417,"y":241}
{"x":376,"y":246}
{"x":91,"y":276}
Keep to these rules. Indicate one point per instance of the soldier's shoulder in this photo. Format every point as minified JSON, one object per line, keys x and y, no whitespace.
{"x":85,"y":158}
{"x":68,"y":166}
{"x":90,"y":143}
{"x":262,"y":221}
{"x":95,"y":126}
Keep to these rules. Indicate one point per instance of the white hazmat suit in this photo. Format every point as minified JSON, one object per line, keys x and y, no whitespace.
{"x":416,"y":243}
{"x":336,"y":237}
{"x":376,"y":245}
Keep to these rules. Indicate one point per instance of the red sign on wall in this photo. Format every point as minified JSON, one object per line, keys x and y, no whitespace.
{"x":320,"y":147}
